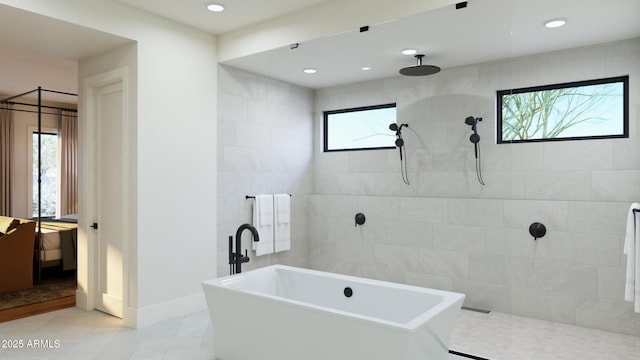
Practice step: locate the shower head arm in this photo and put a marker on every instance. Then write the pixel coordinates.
(419, 69)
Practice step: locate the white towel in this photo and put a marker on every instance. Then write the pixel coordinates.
(263, 222)
(632, 250)
(282, 223)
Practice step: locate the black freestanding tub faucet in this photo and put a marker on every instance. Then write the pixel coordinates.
(236, 259)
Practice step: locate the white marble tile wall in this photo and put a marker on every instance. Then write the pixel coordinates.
(447, 231)
(264, 146)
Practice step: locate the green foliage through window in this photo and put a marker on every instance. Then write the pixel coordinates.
(571, 111)
(49, 171)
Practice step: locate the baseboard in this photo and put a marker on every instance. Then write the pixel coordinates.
(151, 315)
(82, 300)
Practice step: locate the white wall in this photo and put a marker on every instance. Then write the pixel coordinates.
(264, 147)
(447, 231)
(174, 151)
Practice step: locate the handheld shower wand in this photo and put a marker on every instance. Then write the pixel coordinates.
(399, 140)
(475, 139)
(400, 144)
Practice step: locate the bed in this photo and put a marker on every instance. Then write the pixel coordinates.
(58, 241)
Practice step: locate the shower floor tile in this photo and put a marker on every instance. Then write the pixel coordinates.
(498, 336)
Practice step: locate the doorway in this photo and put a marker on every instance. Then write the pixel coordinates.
(108, 191)
(25, 57)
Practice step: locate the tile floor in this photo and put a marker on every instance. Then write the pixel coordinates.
(76, 334)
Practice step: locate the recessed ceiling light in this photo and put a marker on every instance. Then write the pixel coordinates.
(555, 23)
(310, 71)
(365, 68)
(215, 7)
(409, 52)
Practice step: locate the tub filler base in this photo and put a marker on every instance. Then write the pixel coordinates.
(286, 313)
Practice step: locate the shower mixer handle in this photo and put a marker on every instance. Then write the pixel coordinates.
(245, 258)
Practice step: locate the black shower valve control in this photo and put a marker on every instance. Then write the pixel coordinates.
(537, 230)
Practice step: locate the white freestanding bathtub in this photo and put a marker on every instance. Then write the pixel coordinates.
(286, 313)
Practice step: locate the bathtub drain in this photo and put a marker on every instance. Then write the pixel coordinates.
(348, 292)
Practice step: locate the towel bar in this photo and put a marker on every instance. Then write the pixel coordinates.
(253, 196)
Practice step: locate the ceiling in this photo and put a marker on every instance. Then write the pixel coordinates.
(35, 51)
(39, 51)
(486, 30)
(237, 14)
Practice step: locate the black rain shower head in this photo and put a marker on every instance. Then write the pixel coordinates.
(419, 70)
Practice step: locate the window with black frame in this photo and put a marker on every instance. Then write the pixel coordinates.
(592, 109)
(49, 165)
(362, 128)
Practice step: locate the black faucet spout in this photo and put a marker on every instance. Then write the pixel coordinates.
(237, 259)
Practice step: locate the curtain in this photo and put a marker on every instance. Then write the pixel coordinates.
(68, 132)
(6, 159)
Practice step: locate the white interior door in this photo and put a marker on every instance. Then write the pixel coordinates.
(109, 188)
